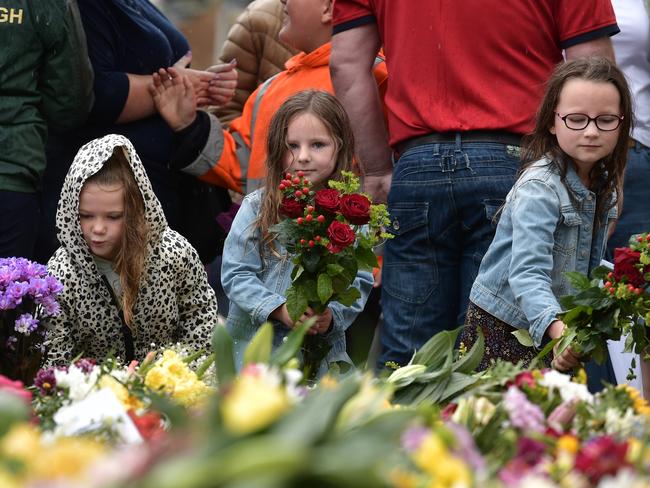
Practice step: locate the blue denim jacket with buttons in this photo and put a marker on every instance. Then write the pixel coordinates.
(545, 230)
(256, 285)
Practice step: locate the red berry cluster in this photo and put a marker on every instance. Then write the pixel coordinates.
(295, 186)
(610, 285)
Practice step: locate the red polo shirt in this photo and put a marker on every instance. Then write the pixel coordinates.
(459, 65)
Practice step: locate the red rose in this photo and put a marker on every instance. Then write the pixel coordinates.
(291, 207)
(341, 236)
(624, 261)
(327, 200)
(356, 208)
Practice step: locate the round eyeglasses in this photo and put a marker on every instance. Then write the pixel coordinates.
(604, 122)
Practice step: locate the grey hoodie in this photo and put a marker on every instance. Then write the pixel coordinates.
(175, 302)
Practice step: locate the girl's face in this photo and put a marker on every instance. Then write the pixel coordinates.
(589, 145)
(101, 214)
(311, 148)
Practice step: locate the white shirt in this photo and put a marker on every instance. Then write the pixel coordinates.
(632, 49)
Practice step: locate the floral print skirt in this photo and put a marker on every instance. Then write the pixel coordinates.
(500, 343)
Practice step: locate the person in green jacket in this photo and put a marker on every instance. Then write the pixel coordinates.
(45, 83)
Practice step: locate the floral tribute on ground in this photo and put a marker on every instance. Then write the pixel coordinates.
(27, 293)
(331, 234)
(501, 428)
(613, 304)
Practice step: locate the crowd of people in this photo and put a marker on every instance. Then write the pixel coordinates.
(504, 155)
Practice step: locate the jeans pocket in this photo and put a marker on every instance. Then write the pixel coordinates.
(410, 272)
(493, 208)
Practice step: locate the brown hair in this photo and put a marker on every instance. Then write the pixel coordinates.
(331, 113)
(131, 256)
(541, 142)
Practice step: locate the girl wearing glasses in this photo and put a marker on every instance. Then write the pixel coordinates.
(557, 215)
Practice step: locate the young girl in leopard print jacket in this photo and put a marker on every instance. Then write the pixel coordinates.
(129, 280)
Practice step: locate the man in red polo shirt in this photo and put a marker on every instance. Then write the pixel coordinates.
(465, 81)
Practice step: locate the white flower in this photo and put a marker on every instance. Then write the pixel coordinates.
(78, 383)
(535, 481)
(569, 390)
(625, 478)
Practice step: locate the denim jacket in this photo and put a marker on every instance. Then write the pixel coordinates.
(256, 287)
(545, 230)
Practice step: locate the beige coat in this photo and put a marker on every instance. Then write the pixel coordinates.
(253, 41)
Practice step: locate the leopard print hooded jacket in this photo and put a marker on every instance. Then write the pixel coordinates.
(175, 302)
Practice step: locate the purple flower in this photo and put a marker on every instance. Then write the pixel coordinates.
(523, 414)
(466, 448)
(16, 291)
(11, 343)
(86, 365)
(54, 286)
(45, 381)
(38, 287)
(7, 274)
(50, 305)
(413, 437)
(26, 324)
(5, 302)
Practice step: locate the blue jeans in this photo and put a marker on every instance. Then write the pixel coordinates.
(635, 217)
(442, 204)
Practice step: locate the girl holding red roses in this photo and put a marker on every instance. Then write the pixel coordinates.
(310, 134)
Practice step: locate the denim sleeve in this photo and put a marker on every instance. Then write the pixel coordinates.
(535, 215)
(344, 316)
(242, 266)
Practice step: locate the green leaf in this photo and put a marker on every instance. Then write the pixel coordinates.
(435, 350)
(523, 336)
(348, 297)
(546, 350)
(334, 269)
(366, 258)
(578, 280)
(291, 345)
(296, 301)
(313, 419)
(324, 287)
(224, 357)
(260, 346)
(470, 361)
(457, 383)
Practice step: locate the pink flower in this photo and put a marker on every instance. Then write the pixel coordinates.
(16, 388)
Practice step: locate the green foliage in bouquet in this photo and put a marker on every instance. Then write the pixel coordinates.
(331, 234)
(437, 372)
(613, 304)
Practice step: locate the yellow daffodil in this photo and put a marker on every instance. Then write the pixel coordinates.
(253, 404)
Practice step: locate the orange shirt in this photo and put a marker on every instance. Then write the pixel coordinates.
(241, 166)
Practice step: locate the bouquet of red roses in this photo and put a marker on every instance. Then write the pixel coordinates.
(612, 305)
(331, 234)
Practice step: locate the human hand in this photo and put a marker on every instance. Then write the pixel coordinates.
(567, 359)
(323, 322)
(377, 186)
(200, 80)
(174, 98)
(222, 89)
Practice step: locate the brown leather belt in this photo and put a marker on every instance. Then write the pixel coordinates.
(499, 137)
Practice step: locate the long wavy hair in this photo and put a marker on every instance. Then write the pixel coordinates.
(130, 259)
(331, 113)
(609, 172)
